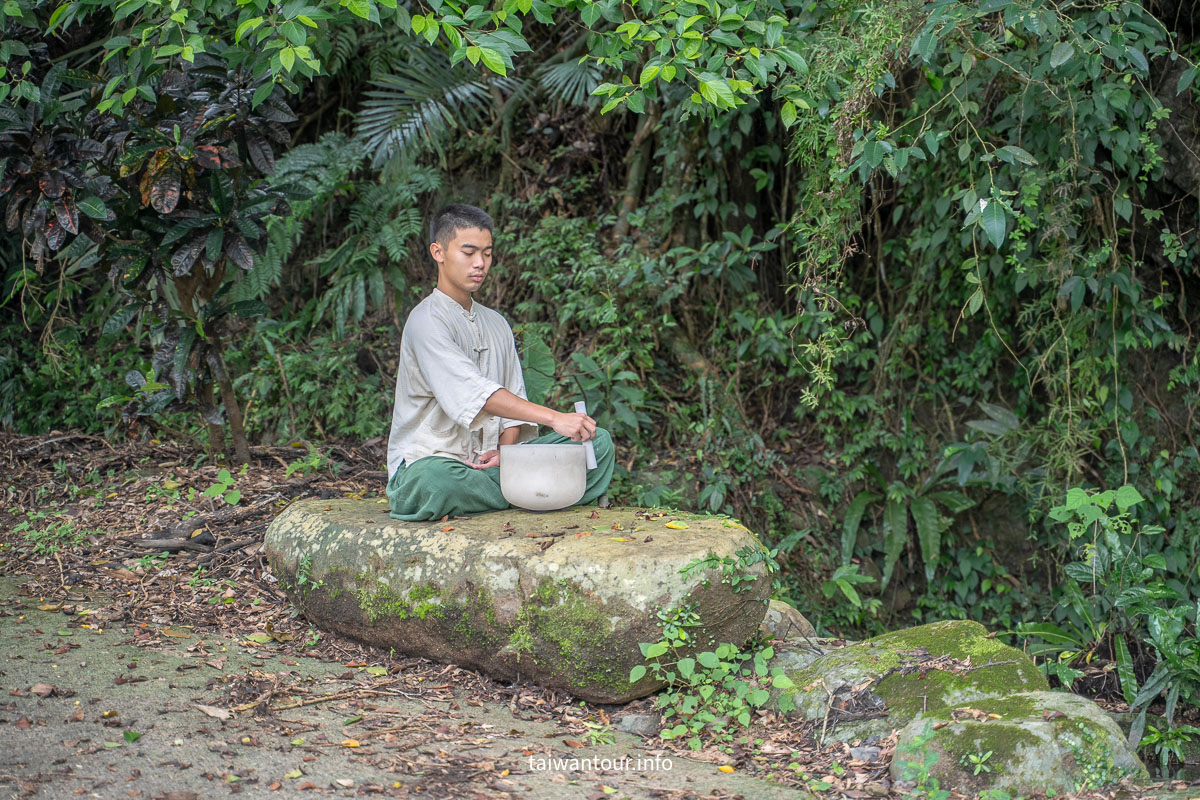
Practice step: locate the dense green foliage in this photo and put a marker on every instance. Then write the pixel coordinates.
(906, 286)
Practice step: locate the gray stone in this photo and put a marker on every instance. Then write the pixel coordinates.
(881, 684)
(785, 622)
(1050, 742)
(865, 753)
(640, 724)
(560, 598)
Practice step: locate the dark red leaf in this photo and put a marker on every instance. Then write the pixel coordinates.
(52, 184)
(68, 215)
(7, 183)
(214, 157)
(88, 148)
(55, 235)
(278, 133)
(164, 193)
(239, 252)
(261, 154)
(35, 219)
(12, 217)
(186, 256)
(277, 111)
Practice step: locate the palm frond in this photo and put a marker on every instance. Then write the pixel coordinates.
(419, 103)
(570, 82)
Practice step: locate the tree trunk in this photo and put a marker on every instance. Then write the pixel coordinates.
(216, 362)
(216, 434)
(640, 153)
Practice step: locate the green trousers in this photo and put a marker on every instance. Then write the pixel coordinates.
(432, 487)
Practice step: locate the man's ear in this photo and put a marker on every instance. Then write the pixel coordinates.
(435, 250)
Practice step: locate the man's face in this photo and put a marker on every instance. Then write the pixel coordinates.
(463, 262)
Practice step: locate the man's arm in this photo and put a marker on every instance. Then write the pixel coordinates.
(576, 427)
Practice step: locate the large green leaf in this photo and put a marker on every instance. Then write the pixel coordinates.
(895, 536)
(994, 222)
(852, 520)
(929, 532)
(539, 367)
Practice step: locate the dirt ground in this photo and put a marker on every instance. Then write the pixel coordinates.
(146, 652)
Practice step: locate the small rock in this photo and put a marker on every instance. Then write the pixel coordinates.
(865, 753)
(784, 622)
(639, 724)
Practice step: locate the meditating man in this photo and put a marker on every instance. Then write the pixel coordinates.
(460, 393)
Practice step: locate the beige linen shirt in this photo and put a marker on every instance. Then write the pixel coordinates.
(451, 361)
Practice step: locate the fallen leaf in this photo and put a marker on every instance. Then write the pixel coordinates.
(259, 638)
(175, 634)
(294, 774)
(351, 743)
(447, 529)
(213, 711)
(345, 783)
(582, 534)
(677, 525)
(725, 768)
(50, 607)
(42, 689)
(1056, 714)
(620, 539)
(572, 743)
(995, 716)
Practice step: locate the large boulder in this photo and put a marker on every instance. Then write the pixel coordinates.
(560, 598)
(879, 685)
(1051, 742)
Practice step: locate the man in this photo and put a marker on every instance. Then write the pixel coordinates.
(460, 393)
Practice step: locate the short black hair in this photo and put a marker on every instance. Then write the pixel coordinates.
(452, 218)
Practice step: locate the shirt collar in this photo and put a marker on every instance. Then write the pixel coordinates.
(446, 299)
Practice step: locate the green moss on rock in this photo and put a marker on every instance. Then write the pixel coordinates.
(1039, 741)
(378, 601)
(566, 630)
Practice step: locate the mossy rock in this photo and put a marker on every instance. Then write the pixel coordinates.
(785, 622)
(1050, 742)
(560, 598)
(882, 684)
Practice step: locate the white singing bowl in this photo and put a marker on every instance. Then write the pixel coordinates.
(543, 477)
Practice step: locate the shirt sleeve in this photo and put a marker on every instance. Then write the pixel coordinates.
(514, 381)
(456, 382)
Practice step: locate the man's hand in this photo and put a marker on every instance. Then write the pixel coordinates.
(576, 427)
(486, 460)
